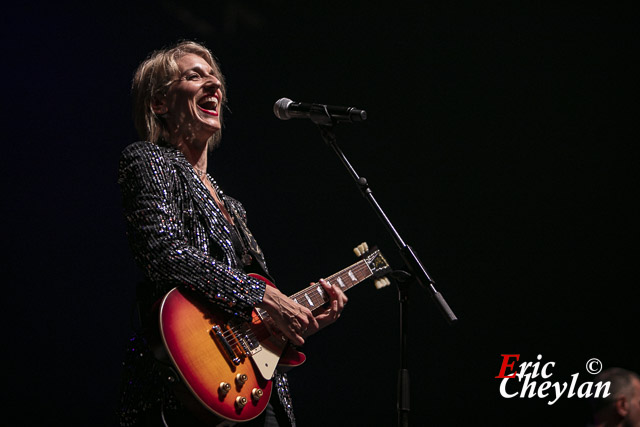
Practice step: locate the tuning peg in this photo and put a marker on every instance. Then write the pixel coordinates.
(381, 282)
(361, 249)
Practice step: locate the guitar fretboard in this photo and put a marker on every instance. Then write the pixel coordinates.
(315, 296)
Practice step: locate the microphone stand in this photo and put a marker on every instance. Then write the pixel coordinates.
(418, 273)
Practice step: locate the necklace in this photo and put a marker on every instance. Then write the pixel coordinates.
(217, 194)
(200, 172)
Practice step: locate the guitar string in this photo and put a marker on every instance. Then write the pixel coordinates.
(358, 267)
(231, 335)
(317, 296)
(343, 274)
(234, 332)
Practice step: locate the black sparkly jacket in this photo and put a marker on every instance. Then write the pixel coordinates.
(178, 234)
(179, 237)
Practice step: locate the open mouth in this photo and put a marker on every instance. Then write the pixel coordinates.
(209, 105)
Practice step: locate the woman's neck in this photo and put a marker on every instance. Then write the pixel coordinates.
(195, 153)
(197, 158)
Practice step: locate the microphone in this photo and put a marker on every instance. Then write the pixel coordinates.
(286, 109)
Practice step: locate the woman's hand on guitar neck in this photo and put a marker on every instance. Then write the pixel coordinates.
(291, 318)
(332, 310)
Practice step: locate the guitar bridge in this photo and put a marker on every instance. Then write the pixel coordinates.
(216, 331)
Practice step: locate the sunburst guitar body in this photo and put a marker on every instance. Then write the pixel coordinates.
(227, 365)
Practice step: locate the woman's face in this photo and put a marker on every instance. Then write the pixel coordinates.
(193, 101)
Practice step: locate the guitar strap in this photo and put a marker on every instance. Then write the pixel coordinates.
(250, 249)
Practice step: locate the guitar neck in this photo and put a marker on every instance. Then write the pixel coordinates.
(315, 296)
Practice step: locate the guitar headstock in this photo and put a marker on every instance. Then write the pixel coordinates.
(376, 263)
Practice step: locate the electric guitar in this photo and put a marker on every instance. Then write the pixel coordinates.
(226, 364)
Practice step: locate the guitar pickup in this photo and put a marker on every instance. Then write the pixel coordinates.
(216, 331)
(249, 343)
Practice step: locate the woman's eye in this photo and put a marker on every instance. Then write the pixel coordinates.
(193, 77)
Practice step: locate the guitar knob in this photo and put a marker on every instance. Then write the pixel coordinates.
(224, 388)
(241, 401)
(256, 394)
(241, 378)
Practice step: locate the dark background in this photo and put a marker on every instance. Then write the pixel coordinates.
(500, 142)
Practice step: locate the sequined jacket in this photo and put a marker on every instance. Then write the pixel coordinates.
(179, 236)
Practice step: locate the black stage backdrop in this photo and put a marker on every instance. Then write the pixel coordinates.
(500, 143)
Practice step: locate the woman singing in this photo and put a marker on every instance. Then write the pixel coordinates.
(184, 231)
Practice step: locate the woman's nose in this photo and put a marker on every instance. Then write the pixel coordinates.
(212, 81)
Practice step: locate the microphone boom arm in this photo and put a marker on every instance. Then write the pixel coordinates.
(410, 258)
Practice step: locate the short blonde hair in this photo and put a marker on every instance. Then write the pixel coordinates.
(151, 81)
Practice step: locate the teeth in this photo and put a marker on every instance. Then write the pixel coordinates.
(212, 99)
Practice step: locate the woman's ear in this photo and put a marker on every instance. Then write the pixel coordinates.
(159, 105)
